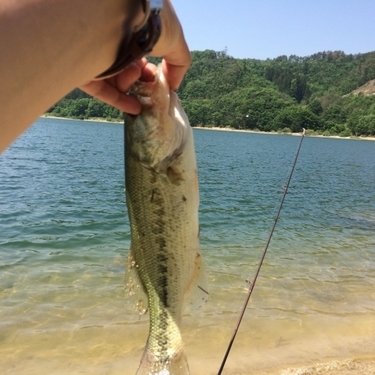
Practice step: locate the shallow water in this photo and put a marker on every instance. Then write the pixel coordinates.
(64, 237)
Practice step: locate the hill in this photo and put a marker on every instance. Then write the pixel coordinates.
(321, 92)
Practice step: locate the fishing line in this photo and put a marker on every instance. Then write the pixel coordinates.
(252, 283)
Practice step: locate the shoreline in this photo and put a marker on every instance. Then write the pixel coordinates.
(276, 133)
(222, 129)
(86, 120)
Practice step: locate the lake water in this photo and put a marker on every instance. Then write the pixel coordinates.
(64, 238)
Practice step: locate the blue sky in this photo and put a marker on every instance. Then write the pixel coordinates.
(269, 28)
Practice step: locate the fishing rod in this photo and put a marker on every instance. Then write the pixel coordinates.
(252, 283)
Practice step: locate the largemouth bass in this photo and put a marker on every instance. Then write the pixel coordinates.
(162, 198)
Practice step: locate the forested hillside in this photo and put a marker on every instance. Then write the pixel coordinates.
(282, 94)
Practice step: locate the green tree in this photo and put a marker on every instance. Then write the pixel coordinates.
(78, 108)
(299, 88)
(365, 125)
(295, 118)
(95, 109)
(336, 114)
(315, 107)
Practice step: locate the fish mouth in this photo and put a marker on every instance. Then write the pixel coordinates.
(155, 93)
(143, 92)
(143, 88)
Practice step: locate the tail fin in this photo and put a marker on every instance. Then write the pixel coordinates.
(175, 365)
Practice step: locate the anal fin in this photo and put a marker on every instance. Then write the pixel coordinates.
(198, 292)
(134, 286)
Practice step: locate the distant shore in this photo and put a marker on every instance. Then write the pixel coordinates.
(276, 133)
(99, 119)
(220, 129)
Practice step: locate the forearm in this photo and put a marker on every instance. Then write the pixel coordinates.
(47, 49)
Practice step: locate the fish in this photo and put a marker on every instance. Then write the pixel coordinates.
(162, 196)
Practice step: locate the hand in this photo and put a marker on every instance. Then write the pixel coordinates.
(176, 61)
(113, 90)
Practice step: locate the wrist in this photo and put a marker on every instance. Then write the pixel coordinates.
(141, 31)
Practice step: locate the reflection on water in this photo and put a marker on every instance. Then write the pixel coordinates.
(65, 235)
